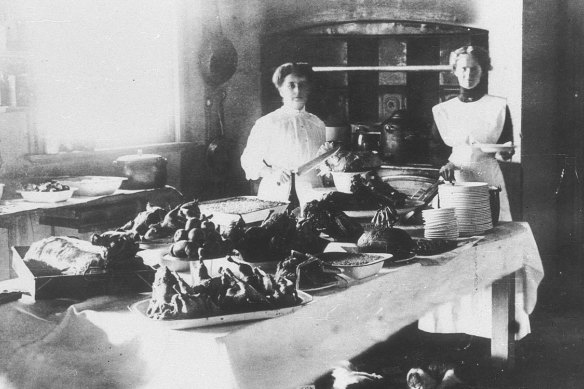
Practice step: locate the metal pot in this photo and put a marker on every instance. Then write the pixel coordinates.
(144, 171)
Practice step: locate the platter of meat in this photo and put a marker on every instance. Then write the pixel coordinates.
(251, 208)
(141, 308)
(245, 294)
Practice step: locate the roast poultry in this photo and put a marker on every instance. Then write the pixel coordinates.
(248, 289)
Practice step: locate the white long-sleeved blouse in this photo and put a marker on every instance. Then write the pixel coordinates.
(285, 138)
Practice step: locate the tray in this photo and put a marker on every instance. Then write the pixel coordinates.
(410, 205)
(79, 286)
(141, 306)
(258, 215)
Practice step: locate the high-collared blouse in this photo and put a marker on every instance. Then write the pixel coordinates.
(284, 138)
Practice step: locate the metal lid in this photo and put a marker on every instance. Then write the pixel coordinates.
(139, 157)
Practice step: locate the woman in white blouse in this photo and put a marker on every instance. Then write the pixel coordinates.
(285, 138)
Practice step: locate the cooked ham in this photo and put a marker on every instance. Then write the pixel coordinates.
(64, 255)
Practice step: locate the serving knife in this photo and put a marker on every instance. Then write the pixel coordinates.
(308, 166)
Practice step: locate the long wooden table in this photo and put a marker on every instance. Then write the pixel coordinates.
(99, 343)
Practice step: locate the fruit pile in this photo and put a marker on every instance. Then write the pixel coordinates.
(49, 186)
(199, 239)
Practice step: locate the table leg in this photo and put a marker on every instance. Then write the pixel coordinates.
(503, 323)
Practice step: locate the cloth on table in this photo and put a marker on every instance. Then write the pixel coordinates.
(471, 314)
(100, 343)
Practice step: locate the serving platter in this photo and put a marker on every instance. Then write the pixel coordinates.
(251, 209)
(410, 205)
(140, 308)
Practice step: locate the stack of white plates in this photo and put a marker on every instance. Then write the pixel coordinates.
(440, 223)
(471, 203)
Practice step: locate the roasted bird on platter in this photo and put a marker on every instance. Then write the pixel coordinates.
(245, 290)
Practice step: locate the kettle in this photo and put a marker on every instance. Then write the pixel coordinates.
(144, 171)
(397, 139)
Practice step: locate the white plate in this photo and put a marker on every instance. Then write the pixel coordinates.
(407, 258)
(494, 148)
(141, 307)
(47, 197)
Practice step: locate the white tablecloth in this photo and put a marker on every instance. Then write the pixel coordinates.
(99, 343)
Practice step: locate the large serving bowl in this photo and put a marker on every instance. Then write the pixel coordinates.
(342, 180)
(47, 197)
(93, 185)
(356, 265)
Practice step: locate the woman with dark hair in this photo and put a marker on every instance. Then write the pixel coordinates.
(285, 138)
(473, 118)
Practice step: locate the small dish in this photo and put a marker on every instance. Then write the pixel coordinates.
(47, 197)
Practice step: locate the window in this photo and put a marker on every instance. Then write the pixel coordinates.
(104, 72)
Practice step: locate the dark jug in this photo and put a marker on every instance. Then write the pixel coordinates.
(494, 199)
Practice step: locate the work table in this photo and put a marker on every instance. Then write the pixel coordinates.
(100, 343)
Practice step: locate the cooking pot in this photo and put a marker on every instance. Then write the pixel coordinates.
(144, 171)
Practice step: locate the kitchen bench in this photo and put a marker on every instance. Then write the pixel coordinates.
(100, 343)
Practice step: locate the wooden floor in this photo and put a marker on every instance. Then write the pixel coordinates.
(552, 356)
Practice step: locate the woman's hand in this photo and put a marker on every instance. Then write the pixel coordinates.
(506, 155)
(447, 171)
(282, 176)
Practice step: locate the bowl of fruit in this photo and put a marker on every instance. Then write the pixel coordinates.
(47, 192)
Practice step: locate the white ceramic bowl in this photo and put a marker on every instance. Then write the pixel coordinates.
(342, 180)
(47, 197)
(356, 271)
(93, 185)
(174, 263)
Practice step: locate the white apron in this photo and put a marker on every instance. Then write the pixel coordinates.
(461, 125)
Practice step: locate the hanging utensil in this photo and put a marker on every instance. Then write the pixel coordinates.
(218, 156)
(217, 55)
